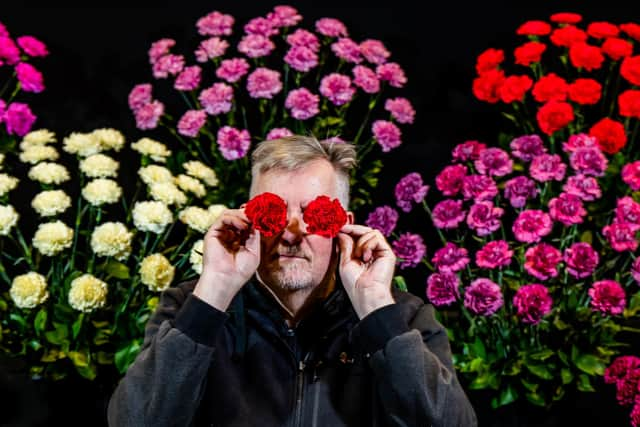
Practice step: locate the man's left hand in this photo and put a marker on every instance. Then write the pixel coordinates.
(366, 267)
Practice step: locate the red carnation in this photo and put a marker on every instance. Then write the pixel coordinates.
(585, 91)
(610, 135)
(268, 213)
(529, 53)
(629, 103)
(487, 86)
(550, 88)
(566, 18)
(632, 29)
(616, 48)
(554, 116)
(601, 30)
(324, 217)
(514, 88)
(534, 28)
(489, 60)
(567, 36)
(630, 69)
(585, 56)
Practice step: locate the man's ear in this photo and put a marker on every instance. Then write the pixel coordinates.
(350, 217)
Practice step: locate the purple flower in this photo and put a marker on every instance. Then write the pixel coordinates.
(450, 258)
(585, 187)
(546, 167)
(484, 218)
(232, 69)
(635, 270)
(233, 143)
(495, 254)
(410, 189)
(347, 50)
(608, 297)
(191, 122)
(581, 260)
(139, 96)
(627, 210)
(468, 150)
(18, 119)
(588, 161)
(520, 189)
(410, 249)
(494, 162)
(541, 261)
(159, 49)
(448, 214)
(386, 134)
(264, 83)
(260, 26)
(32, 46)
(301, 58)
(567, 209)
(449, 181)
(392, 73)
(478, 188)
(189, 78)
(255, 46)
(622, 236)
(631, 175)
(217, 99)
(483, 297)
(168, 64)
(366, 79)
(9, 52)
(302, 103)
(211, 48)
(337, 87)
(215, 24)
(532, 302)
(284, 16)
(278, 133)
(331, 27)
(578, 141)
(442, 288)
(148, 115)
(527, 147)
(400, 109)
(29, 77)
(301, 37)
(532, 225)
(374, 51)
(383, 218)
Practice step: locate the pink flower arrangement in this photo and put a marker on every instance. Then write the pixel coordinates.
(268, 78)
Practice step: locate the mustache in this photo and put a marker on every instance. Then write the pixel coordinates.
(291, 251)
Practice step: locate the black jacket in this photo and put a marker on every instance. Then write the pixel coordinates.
(203, 367)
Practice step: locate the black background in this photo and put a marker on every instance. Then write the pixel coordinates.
(98, 54)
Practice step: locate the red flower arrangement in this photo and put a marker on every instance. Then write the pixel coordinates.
(325, 217)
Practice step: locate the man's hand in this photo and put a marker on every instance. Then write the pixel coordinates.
(366, 267)
(231, 256)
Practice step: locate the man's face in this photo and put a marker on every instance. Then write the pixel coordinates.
(293, 259)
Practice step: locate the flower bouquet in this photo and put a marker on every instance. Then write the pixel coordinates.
(535, 274)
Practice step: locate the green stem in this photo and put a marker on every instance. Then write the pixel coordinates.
(426, 208)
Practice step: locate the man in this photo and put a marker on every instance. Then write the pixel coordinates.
(314, 334)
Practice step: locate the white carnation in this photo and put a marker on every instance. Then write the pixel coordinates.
(151, 216)
(82, 144)
(99, 166)
(29, 290)
(167, 193)
(8, 219)
(102, 191)
(109, 139)
(156, 272)
(191, 185)
(154, 173)
(87, 293)
(49, 203)
(52, 237)
(38, 153)
(7, 183)
(201, 171)
(195, 257)
(215, 211)
(112, 239)
(49, 173)
(197, 218)
(39, 137)
(154, 149)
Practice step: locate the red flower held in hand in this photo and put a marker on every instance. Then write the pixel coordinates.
(268, 213)
(324, 217)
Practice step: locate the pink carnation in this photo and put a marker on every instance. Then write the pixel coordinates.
(302, 103)
(627, 388)
(383, 218)
(18, 119)
(527, 147)
(215, 24)
(532, 303)
(547, 167)
(627, 210)
(449, 181)
(284, 16)
(29, 77)
(9, 52)
(620, 368)
(301, 58)
(301, 37)
(541, 261)
(450, 258)
(494, 162)
(622, 236)
(532, 225)
(495, 254)
(483, 297)
(484, 218)
(410, 189)
(260, 26)
(140, 96)
(392, 73)
(191, 122)
(278, 133)
(631, 175)
(567, 209)
(588, 161)
(233, 143)
(366, 79)
(232, 69)
(520, 189)
(581, 260)
(608, 297)
(32, 46)
(331, 27)
(217, 99)
(255, 46)
(189, 78)
(400, 109)
(159, 49)
(211, 48)
(148, 115)
(264, 83)
(442, 288)
(635, 270)
(409, 249)
(337, 87)
(347, 50)
(168, 64)
(386, 134)
(448, 214)
(374, 51)
(585, 187)
(579, 141)
(478, 187)
(468, 150)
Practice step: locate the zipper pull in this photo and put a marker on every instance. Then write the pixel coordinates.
(301, 366)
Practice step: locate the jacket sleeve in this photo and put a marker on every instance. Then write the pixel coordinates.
(414, 374)
(165, 383)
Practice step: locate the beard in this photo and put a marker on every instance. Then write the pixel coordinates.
(293, 275)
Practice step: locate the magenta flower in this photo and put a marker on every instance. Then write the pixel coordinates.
(410, 249)
(233, 143)
(215, 24)
(448, 214)
(631, 175)
(232, 69)
(635, 270)
(578, 141)
(410, 189)
(301, 58)
(588, 161)
(188, 79)
(532, 225)
(3, 105)
(495, 254)
(581, 260)
(392, 73)
(567, 209)
(608, 297)
(627, 388)
(331, 27)
(400, 109)
(484, 218)
(284, 16)
(386, 134)
(374, 51)
(622, 236)
(191, 122)
(260, 26)
(366, 79)
(347, 50)
(278, 133)
(383, 218)
(547, 167)
(527, 147)
(520, 189)
(32, 46)
(541, 261)
(450, 258)
(532, 302)
(168, 64)
(337, 87)
(148, 115)
(255, 46)
(217, 99)
(468, 150)
(478, 188)
(139, 96)
(627, 210)
(483, 297)
(264, 83)
(302, 103)
(159, 49)
(442, 288)
(449, 181)
(301, 37)
(18, 119)
(620, 368)
(494, 162)
(9, 52)
(585, 187)
(29, 77)
(210, 48)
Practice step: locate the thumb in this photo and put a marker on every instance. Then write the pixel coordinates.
(253, 242)
(346, 247)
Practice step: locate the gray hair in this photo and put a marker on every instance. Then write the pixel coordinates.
(293, 152)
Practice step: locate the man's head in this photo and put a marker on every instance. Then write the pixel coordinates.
(298, 169)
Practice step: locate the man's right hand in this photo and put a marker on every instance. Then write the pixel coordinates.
(231, 255)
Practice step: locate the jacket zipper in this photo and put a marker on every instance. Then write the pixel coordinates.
(300, 380)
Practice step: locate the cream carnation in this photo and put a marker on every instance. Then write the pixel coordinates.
(153, 174)
(167, 193)
(151, 216)
(154, 149)
(52, 237)
(7, 183)
(29, 290)
(49, 203)
(38, 137)
(156, 272)
(109, 139)
(82, 144)
(49, 173)
(99, 166)
(112, 239)
(38, 153)
(215, 211)
(195, 257)
(197, 218)
(101, 191)
(201, 171)
(191, 185)
(87, 293)
(8, 219)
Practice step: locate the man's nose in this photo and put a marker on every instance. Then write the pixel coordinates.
(294, 231)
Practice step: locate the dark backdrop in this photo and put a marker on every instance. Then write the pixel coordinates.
(98, 54)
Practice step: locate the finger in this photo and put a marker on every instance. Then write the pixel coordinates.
(346, 247)
(355, 229)
(253, 242)
(230, 220)
(366, 245)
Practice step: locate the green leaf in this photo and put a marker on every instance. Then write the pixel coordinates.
(80, 359)
(559, 324)
(541, 355)
(57, 336)
(512, 368)
(563, 357)
(584, 383)
(536, 398)
(126, 355)
(507, 396)
(77, 325)
(587, 237)
(541, 371)
(590, 364)
(486, 380)
(117, 269)
(89, 372)
(40, 322)
(566, 375)
(18, 319)
(399, 282)
(479, 349)
(533, 387)
(105, 358)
